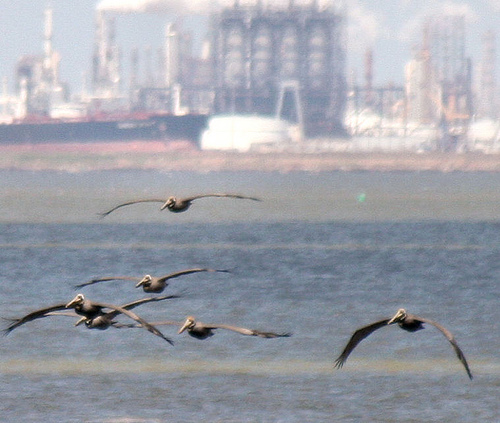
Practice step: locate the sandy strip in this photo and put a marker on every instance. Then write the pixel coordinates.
(183, 156)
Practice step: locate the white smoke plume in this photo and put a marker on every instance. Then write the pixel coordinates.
(186, 6)
(156, 6)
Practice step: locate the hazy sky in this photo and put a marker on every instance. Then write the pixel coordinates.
(390, 27)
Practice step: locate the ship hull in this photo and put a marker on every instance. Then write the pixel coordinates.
(154, 127)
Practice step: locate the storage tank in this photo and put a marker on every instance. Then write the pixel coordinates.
(243, 133)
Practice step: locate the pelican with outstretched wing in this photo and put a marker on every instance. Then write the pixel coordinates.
(79, 304)
(406, 321)
(177, 205)
(151, 284)
(201, 330)
(94, 314)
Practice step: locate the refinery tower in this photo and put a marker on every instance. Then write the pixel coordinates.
(281, 57)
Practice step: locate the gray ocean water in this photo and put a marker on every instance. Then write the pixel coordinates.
(320, 256)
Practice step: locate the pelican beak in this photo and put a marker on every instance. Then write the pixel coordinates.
(396, 317)
(140, 283)
(74, 301)
(82, 320)
(184, 326)
(168, 203)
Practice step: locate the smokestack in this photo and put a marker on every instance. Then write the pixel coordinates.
(369, 77)
(48, 31)
(106, 73)
(171, 55)
(134, 66)
(47, 47)
(487, 87)
(149, 66)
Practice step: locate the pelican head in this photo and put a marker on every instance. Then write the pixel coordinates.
(169, 203)
(188, 324)
(398, 317)
(79, 299)
(145, 281)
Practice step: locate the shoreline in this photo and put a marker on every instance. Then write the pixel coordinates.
(182, 156)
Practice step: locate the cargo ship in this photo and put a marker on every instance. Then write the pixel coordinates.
(104, 128)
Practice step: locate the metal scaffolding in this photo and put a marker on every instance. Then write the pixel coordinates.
(257, 49)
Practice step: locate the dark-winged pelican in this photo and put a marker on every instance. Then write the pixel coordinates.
(94, 314)
(105, 320)
(201, 330)
(406, 321)
(80, 304)
(177, 205)
(150, 283)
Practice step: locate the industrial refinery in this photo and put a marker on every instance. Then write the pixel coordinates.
(277, 69)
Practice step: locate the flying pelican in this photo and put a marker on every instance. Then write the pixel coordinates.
(105, 319)
(80, 304)
(150, 283)
(94, 315)
(201, 330)
(406, 321)
(177, 205)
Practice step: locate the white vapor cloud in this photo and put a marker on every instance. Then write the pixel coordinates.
(160, 6)
(364, 27)
(188, 6)
(411, 31)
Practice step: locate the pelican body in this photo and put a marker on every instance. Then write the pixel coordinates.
(406, 321)
(85, 307)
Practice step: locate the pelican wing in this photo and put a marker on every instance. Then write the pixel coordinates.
(187, 272)
(138, 319)
(161, 323)
(245, 331)
(356, 338)
(111, 278)
(241, 197)
(37, 314)
(451, 339)
(136, 303)
(61, 313)
(128, 203)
